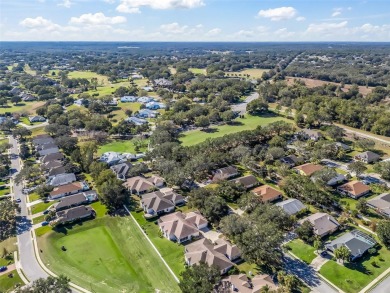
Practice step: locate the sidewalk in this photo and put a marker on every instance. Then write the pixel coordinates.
(376, 280)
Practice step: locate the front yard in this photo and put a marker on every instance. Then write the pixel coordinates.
(8, 284)
(42, 206)
(108, 254)
(302, 250)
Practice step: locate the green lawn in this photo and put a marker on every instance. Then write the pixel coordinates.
(198, 70)
(37, 131)
(4, 191)
(252, 72)
(38, 219)
(89, 75)
(121, 146)
(248, 123)
(172, 252)
(109, 254)
(28, 107)
(302, 250)
(7, 284)
(42, 206)
(99, 208)
(119, 111)
(355, 276)
(33, 197)
(10, 245)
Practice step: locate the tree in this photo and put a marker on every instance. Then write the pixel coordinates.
(365, 144)
(67, 143)
(112, 194)
(383, 231)
(229, 190)
(317, 244)
(228, 116)
(50, 285)
(16, 100)
(336, 133)
(8, 213)
(342, 253)
(257, 106)
(287, 281)
(27, 173)
(323, 176)
(357, 167)
(199, 278)
(305, 231)
(362, 206)
(383, 168)
(21, 132)
(202, 121)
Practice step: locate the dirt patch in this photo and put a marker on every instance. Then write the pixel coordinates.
(312, 83)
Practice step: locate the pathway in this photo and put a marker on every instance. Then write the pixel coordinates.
(10, 268)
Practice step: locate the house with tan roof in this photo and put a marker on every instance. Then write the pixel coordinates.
(323, 224)
(68, 189)
(248, 181)
(181, 227)
(228, 249)
(158, 202)
(242, 284)
(354, 189)
(157, 181)
(203, 251)
(308, 169)
(138, 185)
(267, 193)
(74, 214)
(225, 173)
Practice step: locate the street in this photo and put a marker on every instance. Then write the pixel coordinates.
(241, 107)
(28, 261)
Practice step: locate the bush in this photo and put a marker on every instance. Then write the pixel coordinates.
(372, 251)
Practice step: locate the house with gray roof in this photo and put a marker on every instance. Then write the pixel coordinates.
(76, 200)
(49, 151)
(356, 241)
(158, 202)
(248, 181)
(52, 157)
(120, 170)
(74, 214)
(291, 206)
(62, 179)
(381, 204)
(225, 173)
(323, 224)
(368, 157)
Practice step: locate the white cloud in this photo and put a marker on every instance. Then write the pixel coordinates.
(128, 6)
(173, 28)
(110, 1)
(300, 18)
(326, 27)
(213, 32)
(284, 33)
(38, 22)
(245, 33)
(97, 19)
(280, 13)
(336, 13)
(65, 3)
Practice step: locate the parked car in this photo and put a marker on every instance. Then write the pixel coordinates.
(3, 269)
(45, 212)
(45, 223)
(324, 253)
(18, 200)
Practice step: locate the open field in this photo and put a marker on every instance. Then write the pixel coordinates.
(252, 72)
(198, 70)
(7, 284)
(355, 276)
(172, 70)
(120, 146)
(311, 83)
(302, 250)
(28, 70)
(248, 123)
(107, 255)
(119, 111)
(38, 131)
(102, 79)
(28, 107)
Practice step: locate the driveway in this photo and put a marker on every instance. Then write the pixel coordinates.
(10, 268)
(210, 234)
(241, 107)
(318, 262)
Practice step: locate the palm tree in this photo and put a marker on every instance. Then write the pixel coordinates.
(317, 244)
(342, 253)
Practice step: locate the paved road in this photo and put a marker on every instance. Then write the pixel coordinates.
(386, 141)
(34, 126)
(307, 274)
(383, 287)
(28, 262)
(241, 107)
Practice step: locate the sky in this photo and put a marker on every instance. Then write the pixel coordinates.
(195, 20)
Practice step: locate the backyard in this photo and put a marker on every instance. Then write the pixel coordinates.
(120, 146)
(28, 107)
(121, 258)
(248, 123)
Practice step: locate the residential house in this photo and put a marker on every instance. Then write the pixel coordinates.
(130, 99)
(248, 181)
(242, 284)
(323, 224)
(354, 189)
(155, 105)
(310, 134)
(137, 121)
(145, 100)
(157, 181)
(147, 88)
(52, 157)
(139, 185)
(368, 157)
(291, 206)
(51, 164)
(308, 169)
(55, 171)
(15, 91)
(162, 82)
(62, 179)
(146, 113)
(338, 179)
(27, 97)
(79, 102)
(48, 151)
(42, 140)
(76, 200)
(112, 158)
(74, 214)
(225, 173)
(267, 193)
(68, 189)
(357, 242)
(33, 119)
(181, 227)
(121, 170)
(203, 251)
(156, 203)
(381, 204)
(231, 251)
(343, 146)
(292, 160)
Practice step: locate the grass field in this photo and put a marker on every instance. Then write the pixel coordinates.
(38, 219)
(33, 197)
(172, 253)
(28, 70)
(4, 191)
(38, 131)
(8, 284)
(119, 111)
(40, 207)
(198, 70)
(28, 107)
(107, 255)
(10, 245)
(302, 250)
(252, 72)
(248, 123)
(102, 79)
(120, 146)
(355, 276)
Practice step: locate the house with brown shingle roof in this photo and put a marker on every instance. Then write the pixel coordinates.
(203, 251)
(138, 185)
(323, 224)
(157, 181)
(308, 169)
(242, 284)
(158, 202)
(181, 227)
(248, 181)
(74, 214)
(230, 250)
(354, 189)
(225, 173)
(68, 189)
(267, 193)
(368, 157)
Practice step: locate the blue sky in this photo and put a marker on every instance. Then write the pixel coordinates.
(194, 20)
